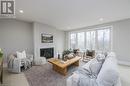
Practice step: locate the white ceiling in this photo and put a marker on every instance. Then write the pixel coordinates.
(72, 14)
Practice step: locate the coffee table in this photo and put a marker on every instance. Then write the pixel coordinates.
(61, 67)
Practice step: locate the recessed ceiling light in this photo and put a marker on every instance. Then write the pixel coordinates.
(21, 11)
(101, 19)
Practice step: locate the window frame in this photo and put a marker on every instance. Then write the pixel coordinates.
(96, 36)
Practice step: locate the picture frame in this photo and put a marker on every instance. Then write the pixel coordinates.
(46, 38)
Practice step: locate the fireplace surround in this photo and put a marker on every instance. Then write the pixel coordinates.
(47, 52)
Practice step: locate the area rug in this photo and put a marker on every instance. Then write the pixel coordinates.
(45, 76)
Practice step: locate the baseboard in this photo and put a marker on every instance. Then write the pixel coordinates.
(127, 63)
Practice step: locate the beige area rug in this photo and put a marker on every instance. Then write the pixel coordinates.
(45, 76)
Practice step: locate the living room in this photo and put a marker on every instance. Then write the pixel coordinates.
(56, 45)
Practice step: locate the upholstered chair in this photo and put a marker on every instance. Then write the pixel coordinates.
(15, 64)
(88, 55)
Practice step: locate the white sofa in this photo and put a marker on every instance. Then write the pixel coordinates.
(107, 76)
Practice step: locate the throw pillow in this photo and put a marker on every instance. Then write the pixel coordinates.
(111, 54)
(105, 53)
(100, 57)
(21, 55)
(92, 68)
(102, 52)
(24, 54)
(95, 67)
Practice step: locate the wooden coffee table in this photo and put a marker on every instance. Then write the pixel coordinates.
(61, 67)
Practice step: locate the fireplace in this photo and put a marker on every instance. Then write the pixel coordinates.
(47, 52)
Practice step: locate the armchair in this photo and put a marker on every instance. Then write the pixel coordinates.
(15, 64)
(88, 55)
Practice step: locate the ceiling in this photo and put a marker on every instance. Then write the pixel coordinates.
(72, 14)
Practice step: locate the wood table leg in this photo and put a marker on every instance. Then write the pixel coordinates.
(62, 71)
(76, 63)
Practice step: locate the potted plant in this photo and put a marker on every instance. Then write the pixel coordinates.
(1, 53)
(65, 53)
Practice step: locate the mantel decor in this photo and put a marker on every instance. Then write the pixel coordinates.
(65, 54)
(46, 38)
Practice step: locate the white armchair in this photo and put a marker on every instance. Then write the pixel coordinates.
(15, 64)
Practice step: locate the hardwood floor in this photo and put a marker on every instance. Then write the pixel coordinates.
(11, 79)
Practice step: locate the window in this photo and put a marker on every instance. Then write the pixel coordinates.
(73, 41)
(90, 40)
(103, 39)
(94, 39)
(80, 40)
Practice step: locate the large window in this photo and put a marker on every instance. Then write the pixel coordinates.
(90, 40)
(81, 40)
(73, 41)
(95, 39)
(103, 39)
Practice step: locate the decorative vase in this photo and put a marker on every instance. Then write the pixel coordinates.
(58, 56)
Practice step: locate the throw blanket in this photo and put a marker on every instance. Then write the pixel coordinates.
(15, 63)
(83, 77)
(10, 61)
(26, 63)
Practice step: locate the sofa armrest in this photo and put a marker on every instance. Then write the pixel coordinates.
(118, 82)
(16, 65)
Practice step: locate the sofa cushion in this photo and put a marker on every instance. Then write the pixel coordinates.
(111, 54)
(108, 74)
(105, 53)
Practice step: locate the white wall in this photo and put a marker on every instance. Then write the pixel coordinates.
(19, 35)
(58, 38)
(15, 36)
(121, 37)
